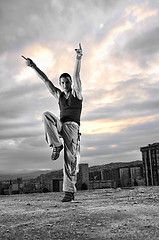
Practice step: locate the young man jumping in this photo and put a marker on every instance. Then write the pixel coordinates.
(67, 127)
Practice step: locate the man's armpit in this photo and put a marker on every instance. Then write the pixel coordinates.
(77, 93)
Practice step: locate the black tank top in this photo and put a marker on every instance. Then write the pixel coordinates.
(70, 109)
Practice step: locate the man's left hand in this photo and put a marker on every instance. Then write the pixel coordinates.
(79, 52)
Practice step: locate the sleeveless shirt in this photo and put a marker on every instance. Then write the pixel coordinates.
(70, 109)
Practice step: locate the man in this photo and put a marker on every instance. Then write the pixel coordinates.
(70, 104)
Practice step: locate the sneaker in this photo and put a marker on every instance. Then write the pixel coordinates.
(69, 196)
(56, 152)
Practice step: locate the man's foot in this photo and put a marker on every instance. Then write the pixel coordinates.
(56, 152)
(69, 196)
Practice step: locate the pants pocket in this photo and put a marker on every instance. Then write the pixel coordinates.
(74, 146)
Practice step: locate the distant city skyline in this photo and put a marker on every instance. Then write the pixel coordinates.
(119, 74)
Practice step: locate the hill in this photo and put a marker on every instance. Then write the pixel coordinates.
(59, 173)
(115, 165)
(24, 175)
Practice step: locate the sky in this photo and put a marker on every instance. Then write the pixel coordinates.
(119, 74)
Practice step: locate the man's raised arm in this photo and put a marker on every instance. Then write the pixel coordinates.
(53, 90)
(76, 75)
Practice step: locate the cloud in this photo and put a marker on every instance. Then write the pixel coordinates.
(100, 144)
(142, 43)
(119, 76)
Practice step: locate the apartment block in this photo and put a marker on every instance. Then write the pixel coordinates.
(150, 158)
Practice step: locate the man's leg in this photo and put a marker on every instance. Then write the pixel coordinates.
(53, 126)
(70, 133)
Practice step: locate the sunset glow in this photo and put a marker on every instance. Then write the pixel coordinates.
(111, 126)
(119, 75)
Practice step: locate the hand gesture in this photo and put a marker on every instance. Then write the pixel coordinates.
(29, 62)
(79, 52)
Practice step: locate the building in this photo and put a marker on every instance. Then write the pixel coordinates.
(131, 176)
(125, 177)
(56, 185)
(96, 177)
(0, 188)
(111, 175)
(83, 177)
(121, 175)
(150, 158)
(82, 180)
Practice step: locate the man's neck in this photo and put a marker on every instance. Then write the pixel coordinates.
(67, 93)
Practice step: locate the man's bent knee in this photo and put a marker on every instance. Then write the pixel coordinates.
(47, 113)
(48, 116)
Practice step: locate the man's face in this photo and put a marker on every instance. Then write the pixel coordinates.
(65, 84)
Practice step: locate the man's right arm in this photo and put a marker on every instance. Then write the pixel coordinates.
(53, 90)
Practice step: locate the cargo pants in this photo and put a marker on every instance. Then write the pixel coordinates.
(69, 132)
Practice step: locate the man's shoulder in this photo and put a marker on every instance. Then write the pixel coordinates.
(77, 94)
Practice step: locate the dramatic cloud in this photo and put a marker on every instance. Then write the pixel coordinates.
(119, 76)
